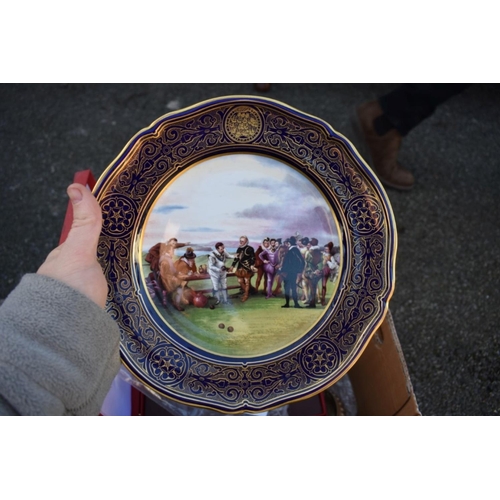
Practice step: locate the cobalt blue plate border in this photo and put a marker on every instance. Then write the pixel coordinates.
(164, 363)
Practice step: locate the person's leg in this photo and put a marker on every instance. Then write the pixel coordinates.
(269, 283)
(215, 287)
(286, 285)
(246, 277)
(176, 298)
(260, 274)
(294, 295)
(324, 282)
(241, 282)
(411, 103)
(278, 288)
(223, 285)
(312, 299)
(384, 122)
(269, 275)
(247, 290)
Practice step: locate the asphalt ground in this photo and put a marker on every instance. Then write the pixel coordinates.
(446, 302)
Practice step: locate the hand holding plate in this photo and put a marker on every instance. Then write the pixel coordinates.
(74, 262)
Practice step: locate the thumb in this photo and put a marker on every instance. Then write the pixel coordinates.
(87, 220)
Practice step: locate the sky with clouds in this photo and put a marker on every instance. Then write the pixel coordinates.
(224, 197)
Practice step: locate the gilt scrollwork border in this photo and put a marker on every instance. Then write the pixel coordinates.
(261, 126)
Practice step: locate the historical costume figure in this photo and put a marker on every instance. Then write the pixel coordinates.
(330, 270)
(303, 245)
(168, 272)
(244, 266)
(259, 264)
(186, 266)
(270, 259)
(282, 249)
(293, 265)
(218, 272)
(153, 258)
(313, 270)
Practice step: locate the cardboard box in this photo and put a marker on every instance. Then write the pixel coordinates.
(380, 378)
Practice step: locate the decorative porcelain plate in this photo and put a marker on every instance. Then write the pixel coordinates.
(249, 251)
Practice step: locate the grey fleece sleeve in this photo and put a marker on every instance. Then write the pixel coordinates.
(59, 351)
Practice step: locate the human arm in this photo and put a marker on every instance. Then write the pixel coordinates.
(74, 262)
(59, 350)
(236, 260)
(250, 255)
(332, 264)
(264, 256)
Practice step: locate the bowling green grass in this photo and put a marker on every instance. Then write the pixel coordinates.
(259, 325)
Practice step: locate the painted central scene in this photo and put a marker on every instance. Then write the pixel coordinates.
(240, 255)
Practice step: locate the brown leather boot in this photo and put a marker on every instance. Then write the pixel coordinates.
(383, 149)
(323, 296)
(262, 87)
(277, 289)
(246, 290)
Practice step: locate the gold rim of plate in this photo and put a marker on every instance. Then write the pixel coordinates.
(154, 350)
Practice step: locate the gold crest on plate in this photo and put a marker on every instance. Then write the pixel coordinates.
(243, 124)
